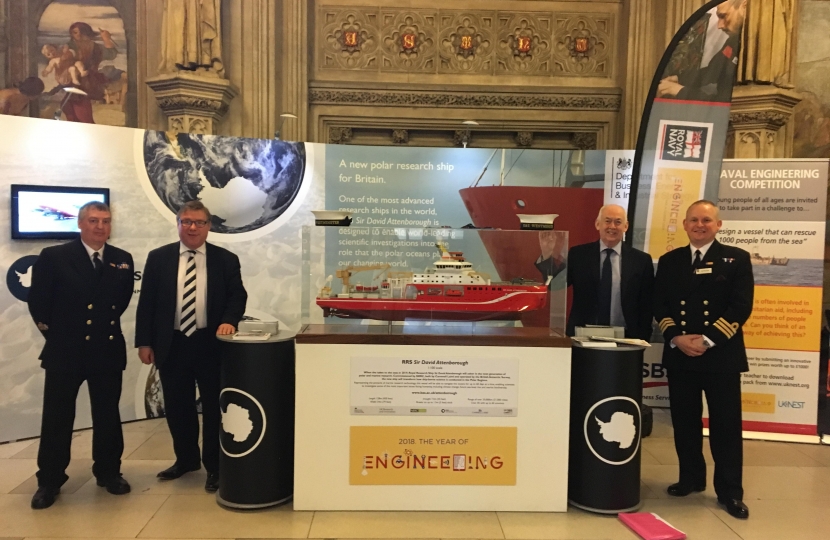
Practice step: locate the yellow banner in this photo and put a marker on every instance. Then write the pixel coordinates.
(784, 318)
(674, 191)
(420, 455)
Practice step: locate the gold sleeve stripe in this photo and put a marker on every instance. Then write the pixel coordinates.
(734, 327)
(724, 327)
(665, 323)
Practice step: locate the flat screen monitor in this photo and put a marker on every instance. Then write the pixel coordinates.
(50, 212)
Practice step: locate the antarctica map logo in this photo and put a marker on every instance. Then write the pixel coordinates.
(243, 422)
(612, 429)
(19, 277)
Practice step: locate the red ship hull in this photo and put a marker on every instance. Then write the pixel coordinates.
(497, 206)
(491, 302)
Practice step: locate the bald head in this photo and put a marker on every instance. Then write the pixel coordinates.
(611, 224)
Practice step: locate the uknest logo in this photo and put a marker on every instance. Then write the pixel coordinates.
(19, 277)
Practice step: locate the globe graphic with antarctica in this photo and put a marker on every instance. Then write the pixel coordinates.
(246, 183)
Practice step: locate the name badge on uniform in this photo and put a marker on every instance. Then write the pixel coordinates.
(703, 270)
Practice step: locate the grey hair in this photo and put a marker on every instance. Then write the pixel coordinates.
(625, 214)
(92, 205)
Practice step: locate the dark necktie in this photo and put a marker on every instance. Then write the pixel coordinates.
(696, 264)
(604, 300)
(99, 266)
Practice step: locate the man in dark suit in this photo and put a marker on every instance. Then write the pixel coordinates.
(703, 296)
(191, 292)
(612, 283)
(79, 291)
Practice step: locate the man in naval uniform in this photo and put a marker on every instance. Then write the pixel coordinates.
(79, 291)
(703, 296)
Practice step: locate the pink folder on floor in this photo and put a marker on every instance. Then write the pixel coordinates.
(651, 526)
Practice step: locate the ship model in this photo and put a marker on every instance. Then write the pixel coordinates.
(497, 206)
(451, 290)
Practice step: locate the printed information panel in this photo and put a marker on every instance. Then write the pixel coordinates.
(775, 210)
(411, 386)
(432, 455)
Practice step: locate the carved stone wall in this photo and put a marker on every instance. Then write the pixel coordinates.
(552, 40)
(534, 74)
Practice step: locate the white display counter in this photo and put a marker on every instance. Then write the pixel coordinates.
(508, 452)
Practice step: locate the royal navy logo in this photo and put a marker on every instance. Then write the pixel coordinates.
(680, 143)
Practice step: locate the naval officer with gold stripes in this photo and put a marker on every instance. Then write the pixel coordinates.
(702, 297)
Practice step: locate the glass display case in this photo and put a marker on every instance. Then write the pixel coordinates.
(414, 280)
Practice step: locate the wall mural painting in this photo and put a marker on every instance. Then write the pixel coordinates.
(82, 45)
(812, 115)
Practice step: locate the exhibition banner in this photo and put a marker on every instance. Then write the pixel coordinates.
(684, 125)
(261, 193)
(432, 455)
(775, 210)
(418, 386)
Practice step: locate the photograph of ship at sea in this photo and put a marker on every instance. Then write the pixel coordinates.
(796, 272)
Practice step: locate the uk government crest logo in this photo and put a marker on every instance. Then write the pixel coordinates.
(612, 429)
(684, 143)
(243, 422)
(19, 277)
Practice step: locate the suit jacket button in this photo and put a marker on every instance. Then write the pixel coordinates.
(705, 323)
(706, 313)
(684, 332)
(682, 323)
(89, 322)
(113, 307)
(87, 338)
(682, 302)
(112, 323)
(110, 338)
(89, 306)
(706, 302)
(682, 312)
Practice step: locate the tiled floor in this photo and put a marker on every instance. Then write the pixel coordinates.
(787, 491)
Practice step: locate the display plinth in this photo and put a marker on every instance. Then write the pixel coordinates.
(422, 457)
(257, 403)
(605, 426)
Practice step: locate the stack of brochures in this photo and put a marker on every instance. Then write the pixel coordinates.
(651, 526)
(252, 336)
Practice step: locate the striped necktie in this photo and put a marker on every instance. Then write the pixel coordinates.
(188, 321)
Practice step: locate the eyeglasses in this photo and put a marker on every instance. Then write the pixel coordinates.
(186, 223)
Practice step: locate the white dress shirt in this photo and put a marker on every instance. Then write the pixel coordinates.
(91, 253)
(617, 318)
(702, 250)
(201, 285)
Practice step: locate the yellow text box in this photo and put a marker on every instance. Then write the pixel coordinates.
(758, 403)
(673, 191)
(785, 318)
(441, 455)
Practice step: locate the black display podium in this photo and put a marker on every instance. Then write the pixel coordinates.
(605, 428)
(256, 467)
